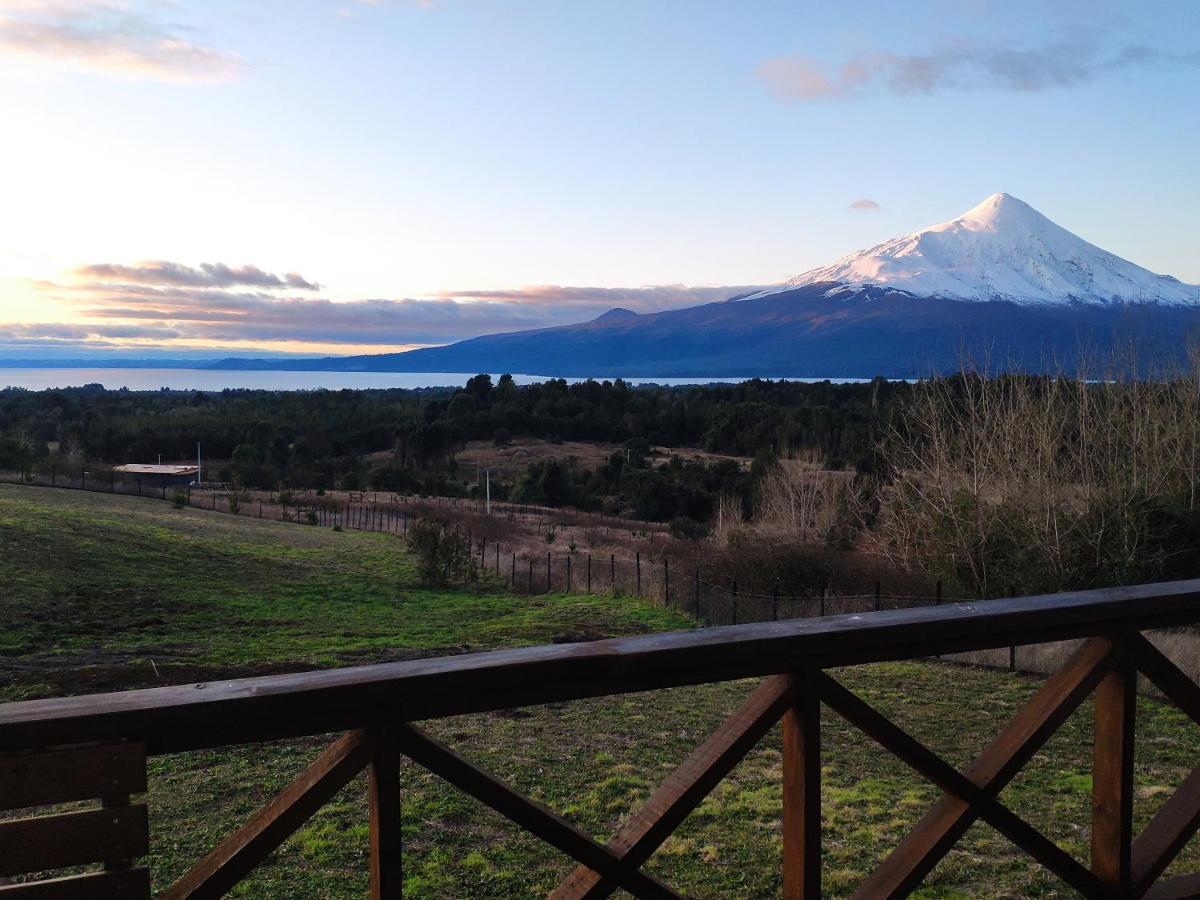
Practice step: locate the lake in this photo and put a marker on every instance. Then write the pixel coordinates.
(217, 380)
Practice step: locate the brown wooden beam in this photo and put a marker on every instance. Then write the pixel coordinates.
(529, 814)
(683, 790)
(131, 884)
(941, 828)
(1167, 833)
(1112, 777)
(60, 776)
(1183, 887)
(802, 791)
(238, 854)
(72, 839)
(928, 764)
(387, 881)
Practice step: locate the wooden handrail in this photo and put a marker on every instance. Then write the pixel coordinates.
(378, 705)
(196, 716)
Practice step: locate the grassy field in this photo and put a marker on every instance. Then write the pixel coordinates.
(111, 592)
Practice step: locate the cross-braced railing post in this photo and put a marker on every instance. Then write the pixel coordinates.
(802, 791)
(1112, 777)
(384, 794)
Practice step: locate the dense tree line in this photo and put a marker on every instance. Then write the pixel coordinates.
(408, 439)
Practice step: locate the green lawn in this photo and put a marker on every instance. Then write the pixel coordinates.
(105, 586)
(108, 592)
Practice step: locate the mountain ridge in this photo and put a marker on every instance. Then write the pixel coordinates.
(1000, 282)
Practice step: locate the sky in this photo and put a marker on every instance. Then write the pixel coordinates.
(266, 176)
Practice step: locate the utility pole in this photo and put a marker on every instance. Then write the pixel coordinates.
(488, 476)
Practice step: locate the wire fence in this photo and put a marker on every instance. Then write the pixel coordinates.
(704, 596)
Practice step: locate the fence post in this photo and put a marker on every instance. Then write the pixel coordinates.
(735, 601)
(666, 581)
(497, 558)
(547, 571)
(1112, 778)
(877, 592)
(612, 573)
(699, 617)
(383, 792)
(1012, 650)
(775, 601)
(638, 563)
(513, 573)
(82, 480)
(822, 601)
(531, 574)
(589, 574)
(938, 600)
(568, 573)
(802, 792)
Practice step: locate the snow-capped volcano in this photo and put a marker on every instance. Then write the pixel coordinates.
(1002, 249)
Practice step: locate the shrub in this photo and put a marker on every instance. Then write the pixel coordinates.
(311, 517)
(686, 529)
(179, 499)
(441, 554)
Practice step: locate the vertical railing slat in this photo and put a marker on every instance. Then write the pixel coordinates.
(384, 799)
(1112, 777)
(802, 792)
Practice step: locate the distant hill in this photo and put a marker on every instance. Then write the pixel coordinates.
(1001, 283)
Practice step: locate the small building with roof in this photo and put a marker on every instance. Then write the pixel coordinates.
(160, 476)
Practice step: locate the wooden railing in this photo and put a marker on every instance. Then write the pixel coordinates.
(89, 742)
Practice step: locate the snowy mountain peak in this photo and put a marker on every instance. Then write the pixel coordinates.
(1001, 249)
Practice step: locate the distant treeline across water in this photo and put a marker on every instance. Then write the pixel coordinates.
(184, 379)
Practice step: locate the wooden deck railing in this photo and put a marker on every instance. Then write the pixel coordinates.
(94, 747)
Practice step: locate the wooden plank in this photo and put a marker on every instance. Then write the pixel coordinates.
(1112, 777)
(529, 814)
(387, 881)
(238, 854)
(683, 790)
(802, 792)
(61, 776)
(132, 884)
(904, 869)
(928, 764)
(172, 719)
(73, 839)
(1183, 887)
(1167, 833)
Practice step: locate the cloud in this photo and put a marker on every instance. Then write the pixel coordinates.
(163, 273)
(961, 64)
(597, 299)
(219, 304)
(865, 204)
(111, 38)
